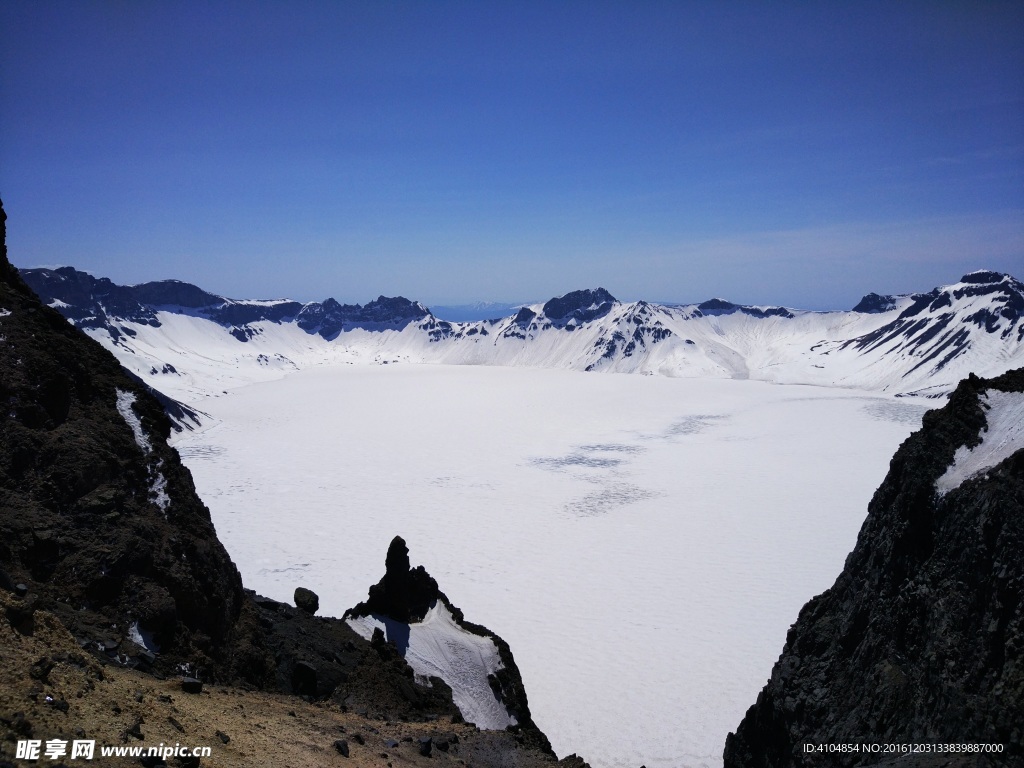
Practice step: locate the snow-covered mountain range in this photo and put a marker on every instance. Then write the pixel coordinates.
(189, 343)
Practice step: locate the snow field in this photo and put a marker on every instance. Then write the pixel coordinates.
(438, 647)
(642, 543)
(1003, 436)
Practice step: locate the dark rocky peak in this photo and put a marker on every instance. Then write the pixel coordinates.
(723, 307)
(404, 593)
(241, 313)
(582, 306)
(173, 293)
(983, 276)
(91, 302)
(717, 307)
(874, 303)
(87, 301)
(397, 309)
(919, 639)
(524, 316)
(329, 318)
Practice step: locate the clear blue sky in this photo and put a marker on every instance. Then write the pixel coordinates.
(795, 153)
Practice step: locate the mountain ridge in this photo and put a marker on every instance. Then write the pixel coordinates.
(917, 344)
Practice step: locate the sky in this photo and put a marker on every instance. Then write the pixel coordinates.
(790, 153)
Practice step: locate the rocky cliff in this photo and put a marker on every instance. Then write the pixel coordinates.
(920, 638)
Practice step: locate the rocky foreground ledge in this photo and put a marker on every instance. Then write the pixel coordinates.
(920, 639)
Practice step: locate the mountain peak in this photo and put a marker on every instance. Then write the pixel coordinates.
(404, 593)
(583, 305)
(984, 276)
(873, 303)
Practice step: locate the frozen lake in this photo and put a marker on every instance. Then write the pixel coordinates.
(643, 543)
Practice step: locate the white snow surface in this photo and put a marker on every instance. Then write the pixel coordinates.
(643, 543)
(142, 638)
(158, 489)
(439, 647)
(158, 483)
(125, 401)
(1002, 437)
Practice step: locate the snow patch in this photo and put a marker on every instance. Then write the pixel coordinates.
(158, 489)
(125, 401)
(4, 312)
(1000, 440)
(158, 483)
(142, 638)
(439, 647)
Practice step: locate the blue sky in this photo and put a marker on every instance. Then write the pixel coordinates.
(794, 153)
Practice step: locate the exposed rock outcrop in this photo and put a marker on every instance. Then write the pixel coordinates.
(920, 638)
(404, 593)
(403, 599)
(581, 306)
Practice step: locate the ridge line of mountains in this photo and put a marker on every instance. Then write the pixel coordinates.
(917, 344)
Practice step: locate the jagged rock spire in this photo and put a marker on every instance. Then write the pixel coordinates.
(405, 593)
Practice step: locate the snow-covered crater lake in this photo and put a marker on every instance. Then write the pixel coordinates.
(643, 543)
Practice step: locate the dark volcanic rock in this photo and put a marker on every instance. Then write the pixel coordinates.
(583, 306)
(307, 600)
(873, 303)
(404, 594)
(984, 276)
(330, 318)
(90, 302)
(723, 307)
(920, 638)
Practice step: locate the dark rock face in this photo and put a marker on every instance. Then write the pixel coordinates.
(723, 307)
(405, 593)
(582, 306)
(91, 302)
(920, 639)
(873, 303)
(307, 600)
(330, 318)
(982, 276)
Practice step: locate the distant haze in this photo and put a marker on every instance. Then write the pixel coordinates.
(796, 154)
